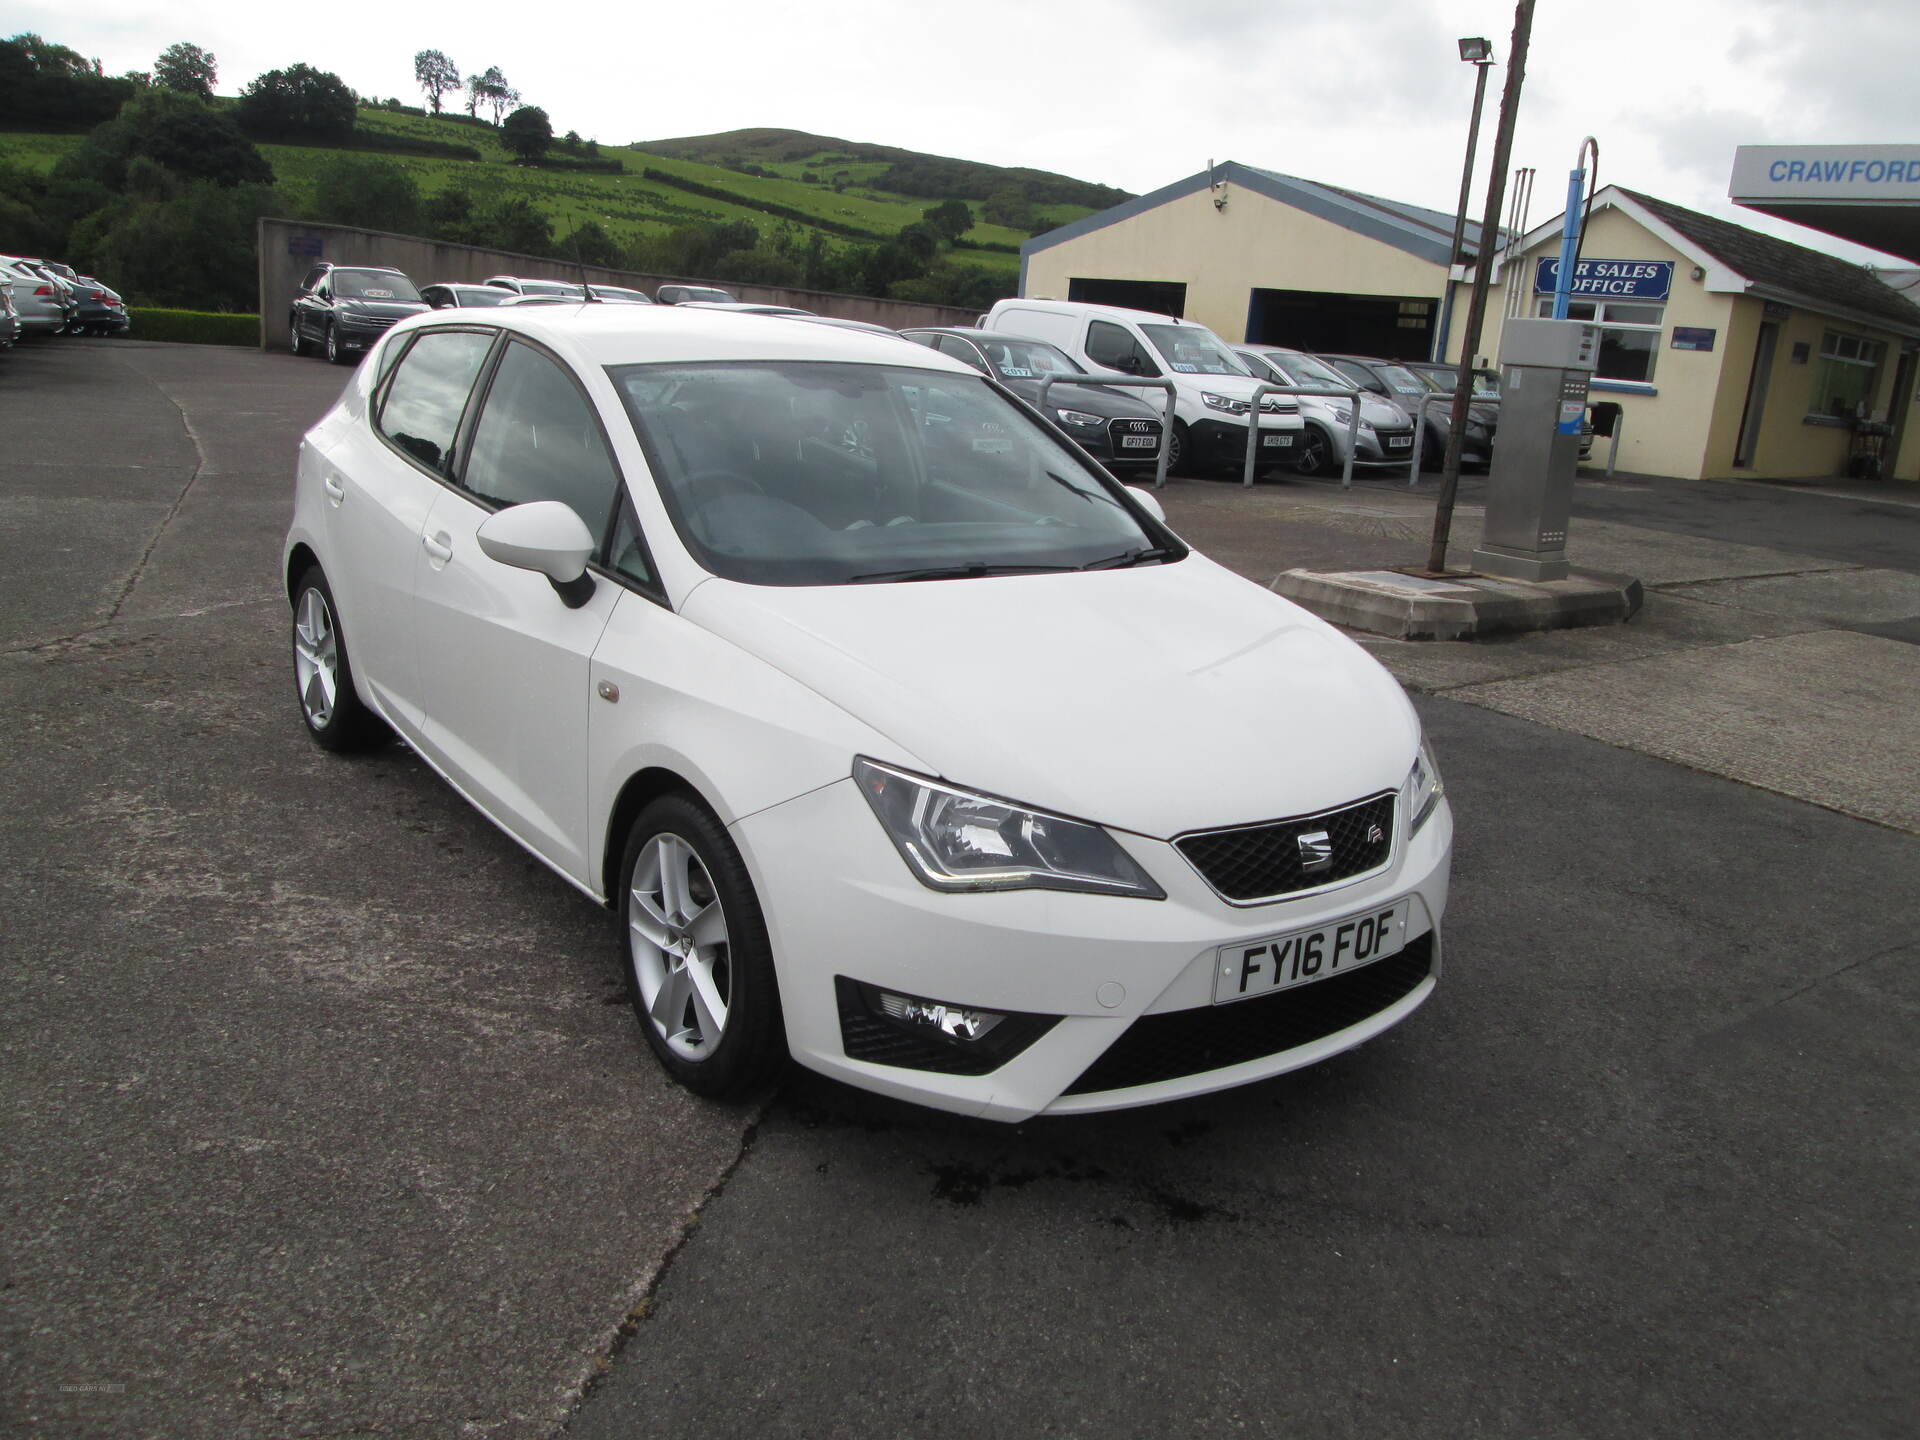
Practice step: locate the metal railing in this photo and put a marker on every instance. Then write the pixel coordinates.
(1047, 382)
(1262, 390)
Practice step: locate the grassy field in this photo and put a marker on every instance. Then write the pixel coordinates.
(626, 205)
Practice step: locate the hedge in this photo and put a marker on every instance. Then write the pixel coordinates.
(768, 207)
(193, 327)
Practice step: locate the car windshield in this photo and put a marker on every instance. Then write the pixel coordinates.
(483, 295)
(719, 296)
(615, 292)
(1192, 350)
(1305, 370)
(1486, 383)
(1399, 379)
(373, 285)
(1025, 359)
(813, 473)
(547, 287)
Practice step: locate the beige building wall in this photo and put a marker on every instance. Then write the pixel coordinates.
(1221, 255)
(1690, 426)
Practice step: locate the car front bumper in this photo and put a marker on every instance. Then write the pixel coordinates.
(841, 904)
(1221, 442)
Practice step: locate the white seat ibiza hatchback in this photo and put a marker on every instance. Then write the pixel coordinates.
(903, 740)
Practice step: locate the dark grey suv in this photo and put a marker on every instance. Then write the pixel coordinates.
(342, 309)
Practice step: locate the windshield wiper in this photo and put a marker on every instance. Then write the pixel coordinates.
(956, 572)
(1132, 557)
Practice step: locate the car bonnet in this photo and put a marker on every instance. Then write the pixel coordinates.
(1156, 699)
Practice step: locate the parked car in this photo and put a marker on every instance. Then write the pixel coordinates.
(342, 309)
(101, 310)
(1392, 380)
(453, 295)
(66, 292)
(681, 294)
(522, 286)
(42, 301)
(1486, 401)
(744, 307)
(1213, 389)
(823, 663)
(1383, 439)
(1121, 430)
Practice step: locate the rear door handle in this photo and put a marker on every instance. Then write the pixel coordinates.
(335, 490)
(439, 547)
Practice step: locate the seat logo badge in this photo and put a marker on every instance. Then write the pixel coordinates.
(1316, 851)
(1375, 835)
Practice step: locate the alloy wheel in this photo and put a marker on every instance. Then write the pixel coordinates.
(316, 658)
(333, 345)
(677, 940)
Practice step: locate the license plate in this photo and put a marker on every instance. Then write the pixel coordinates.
(1279, 962)
(1275, 442)
(1399, 442)
(1139, 442)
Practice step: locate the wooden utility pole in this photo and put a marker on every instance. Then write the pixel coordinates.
(1482, 270)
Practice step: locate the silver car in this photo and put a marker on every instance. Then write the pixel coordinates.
(42, 300)
(1383, 439)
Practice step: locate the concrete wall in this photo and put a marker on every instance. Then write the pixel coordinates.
(1687, 421)
(430, 261)
(1223, 255)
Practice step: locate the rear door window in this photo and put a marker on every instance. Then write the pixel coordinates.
(428, 393)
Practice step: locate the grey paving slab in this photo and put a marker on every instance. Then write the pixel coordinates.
(1835, 597)
(1668, 622)
(1826, 716)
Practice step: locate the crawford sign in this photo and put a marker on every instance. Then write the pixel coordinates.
(1609, 279)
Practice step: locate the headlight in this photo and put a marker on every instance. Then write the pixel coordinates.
(1079, 417)
(1222, 402)
(1343, 416)
(1424, 788)
(955, 840)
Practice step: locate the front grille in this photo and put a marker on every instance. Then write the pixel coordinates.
(1193, 1042)
(1117, 430)
(1258, 862)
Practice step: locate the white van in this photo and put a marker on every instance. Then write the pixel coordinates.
(1213, 388)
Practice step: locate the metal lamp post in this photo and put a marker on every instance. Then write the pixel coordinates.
(1477, 51)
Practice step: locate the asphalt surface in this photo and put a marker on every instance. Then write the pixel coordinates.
(326, 1116)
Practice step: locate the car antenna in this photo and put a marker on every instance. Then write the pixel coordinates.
(586, 290)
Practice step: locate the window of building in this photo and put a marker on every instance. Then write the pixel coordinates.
(1848, 375)
(1629, 335)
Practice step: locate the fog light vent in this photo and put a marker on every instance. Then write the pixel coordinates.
(884, 1027)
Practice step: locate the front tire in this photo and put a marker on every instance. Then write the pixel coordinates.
(1316, 453)
(1178, 448)
(335, 353)
(698, 962)
(322, 673)
(296, 343)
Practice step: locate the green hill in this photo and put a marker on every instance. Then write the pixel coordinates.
(774, 206)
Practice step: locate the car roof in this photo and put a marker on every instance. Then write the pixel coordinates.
(1105, 312)
(596, 335)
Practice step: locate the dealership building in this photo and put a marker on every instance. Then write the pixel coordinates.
(1728, 352)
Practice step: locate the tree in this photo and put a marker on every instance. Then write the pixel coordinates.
(951, 218)
(450, 216)
(435, 74)
(185, 67)
(180, 132)
(591, 245)
(177, 242)
(527, 133)
(1009, 206)
(376, 194)
(490, 88)
(299, 102)
(50, 86)
(515, 225)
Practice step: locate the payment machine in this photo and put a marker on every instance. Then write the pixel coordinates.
(1545, 366)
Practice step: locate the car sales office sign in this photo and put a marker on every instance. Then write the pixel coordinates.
(1609, 279)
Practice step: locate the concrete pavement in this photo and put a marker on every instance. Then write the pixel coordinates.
(326, 1116)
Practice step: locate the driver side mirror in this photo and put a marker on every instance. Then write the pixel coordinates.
(547, 537)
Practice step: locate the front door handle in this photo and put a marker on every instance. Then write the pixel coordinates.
(335, 490)
(439, 547)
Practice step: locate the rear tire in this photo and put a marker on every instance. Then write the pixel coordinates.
(322, 673)
(695, 948)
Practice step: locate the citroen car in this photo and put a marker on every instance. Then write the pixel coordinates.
(342, 309)
(823, 662)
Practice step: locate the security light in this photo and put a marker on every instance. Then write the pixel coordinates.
(1477, 49)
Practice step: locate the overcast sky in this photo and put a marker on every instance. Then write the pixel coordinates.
(1136, 93)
